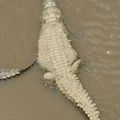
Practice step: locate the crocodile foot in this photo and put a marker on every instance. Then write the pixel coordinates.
(49, 79)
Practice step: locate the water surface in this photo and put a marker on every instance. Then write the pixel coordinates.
(94, 28)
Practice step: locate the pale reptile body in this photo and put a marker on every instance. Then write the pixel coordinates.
(8, 73)
(58, 57)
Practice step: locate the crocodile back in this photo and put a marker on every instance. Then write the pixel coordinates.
(53, 42)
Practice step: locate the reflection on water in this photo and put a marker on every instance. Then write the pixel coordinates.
(94, 26)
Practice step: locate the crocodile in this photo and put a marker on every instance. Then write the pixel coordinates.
(9, 73)
(60, 60)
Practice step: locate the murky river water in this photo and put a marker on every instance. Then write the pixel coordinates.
(94, 27)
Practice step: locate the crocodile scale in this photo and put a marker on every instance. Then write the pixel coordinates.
(7, 73)
(13, 72)
(57, 56)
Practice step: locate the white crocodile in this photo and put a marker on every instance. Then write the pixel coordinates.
(57, 56)
(8, 73)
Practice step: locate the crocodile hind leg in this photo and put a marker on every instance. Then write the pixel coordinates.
(71, 55)
(75, 66)
(49, 79)
(73, 59)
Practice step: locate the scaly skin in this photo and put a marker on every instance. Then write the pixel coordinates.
(8, 73)
(58, 57)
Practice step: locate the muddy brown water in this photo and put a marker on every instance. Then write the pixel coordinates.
(94, 27)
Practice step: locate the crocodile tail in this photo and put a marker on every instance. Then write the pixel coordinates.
(72, 88)
(8, 73)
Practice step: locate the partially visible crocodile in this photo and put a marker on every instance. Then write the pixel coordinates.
(58, 57)
(8, 73)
